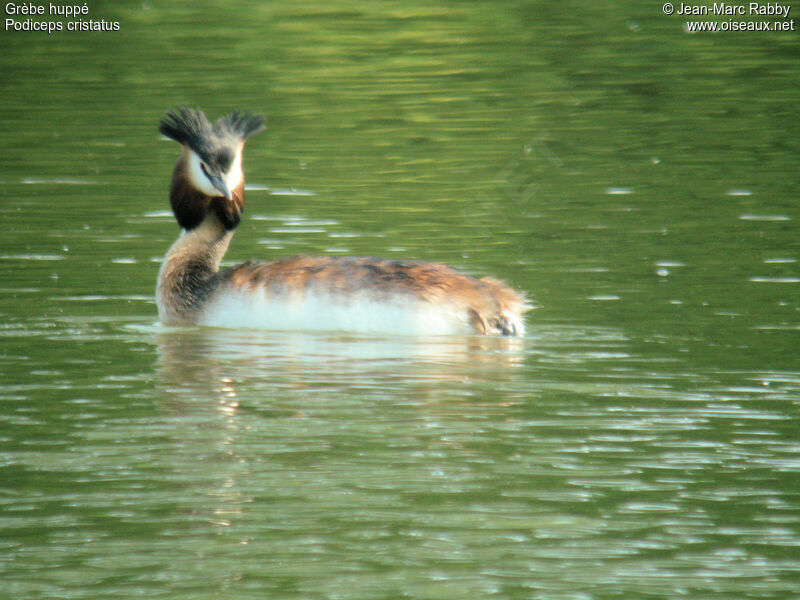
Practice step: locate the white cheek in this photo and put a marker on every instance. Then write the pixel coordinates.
(198, 178)
(234, 175)
(232, 178)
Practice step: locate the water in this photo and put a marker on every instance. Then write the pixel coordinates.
(639, 183)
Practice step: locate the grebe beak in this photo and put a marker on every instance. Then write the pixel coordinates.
(219, 184)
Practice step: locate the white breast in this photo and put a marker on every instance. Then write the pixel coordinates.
(322, 312)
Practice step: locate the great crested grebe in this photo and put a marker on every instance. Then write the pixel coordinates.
(300, 292)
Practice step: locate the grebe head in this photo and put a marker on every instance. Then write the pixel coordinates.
(209, 174)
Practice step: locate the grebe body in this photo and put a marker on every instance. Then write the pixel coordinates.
(305, 293)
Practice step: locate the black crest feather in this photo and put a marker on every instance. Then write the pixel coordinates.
(186, 126)
(191, 127)
(241, 124)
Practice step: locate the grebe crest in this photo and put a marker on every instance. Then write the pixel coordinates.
(301, 292)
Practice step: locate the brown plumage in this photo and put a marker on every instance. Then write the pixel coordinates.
(488, 304)
(353, 293)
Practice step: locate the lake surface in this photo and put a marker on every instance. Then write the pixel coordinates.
(639, 183)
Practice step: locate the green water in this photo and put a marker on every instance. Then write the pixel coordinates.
(638, 182)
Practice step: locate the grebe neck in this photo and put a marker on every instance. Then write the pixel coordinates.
(188, 273)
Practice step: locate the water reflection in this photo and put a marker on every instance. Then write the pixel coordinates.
(211, 362)
(578, 457)
(442, 468)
